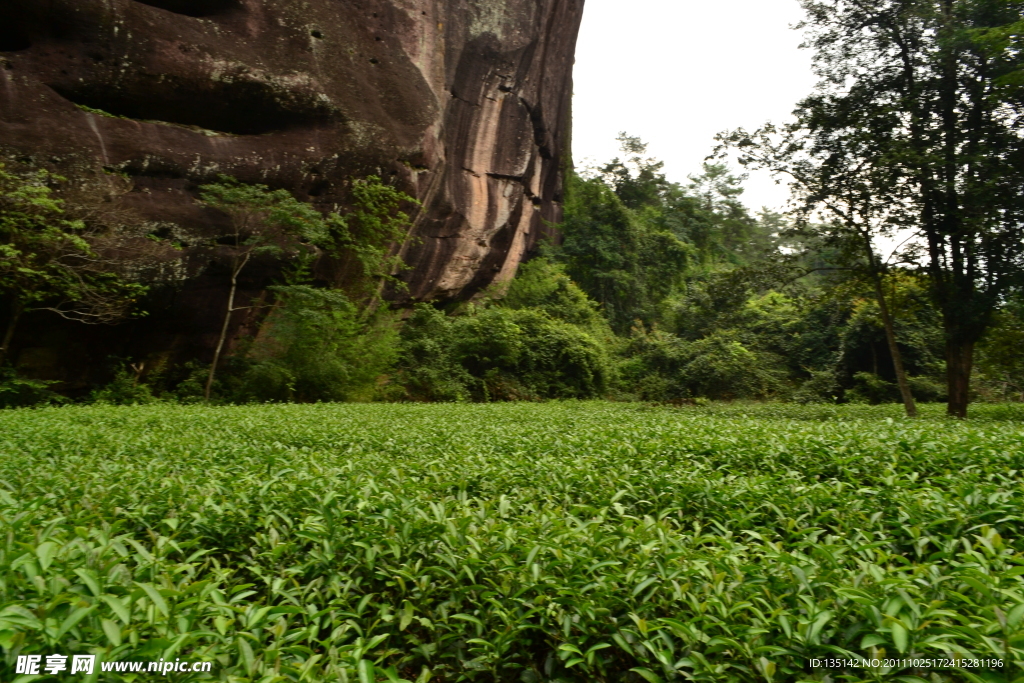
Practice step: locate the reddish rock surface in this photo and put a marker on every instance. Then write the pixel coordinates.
(462, 103)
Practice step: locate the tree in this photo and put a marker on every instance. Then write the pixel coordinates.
(620, 257)
(637, 181)
(261, 220)
(309, 321)
(732, 233)
(617, 245)
(915, 128)
(1001, 361)
(851, 244)
(49, 260)
(314, 347)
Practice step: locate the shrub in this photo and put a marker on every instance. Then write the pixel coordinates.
(927, 389)
(316, 348)
(189, 380)
(428, 367)
(1000, 363)
(124, 389)
(720, 366)
(870, 388)
(500, 354)
(664, 367)
(557, 359)
(18, 392)
(821, 387)
(578, 542)
(543, 284)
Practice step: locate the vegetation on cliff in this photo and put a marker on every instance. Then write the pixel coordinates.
(50, 256)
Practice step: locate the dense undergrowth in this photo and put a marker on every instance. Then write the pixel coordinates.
(513, 542)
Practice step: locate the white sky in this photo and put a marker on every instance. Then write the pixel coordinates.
(676, 72)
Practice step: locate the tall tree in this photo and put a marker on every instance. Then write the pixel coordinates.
(261, 220)
(637, 179)
(915, 129)
(619, 256)
(731, 234)
(362, 241)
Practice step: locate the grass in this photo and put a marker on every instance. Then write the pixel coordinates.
(513, 542)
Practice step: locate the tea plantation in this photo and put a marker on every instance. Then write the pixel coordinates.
(514, 542)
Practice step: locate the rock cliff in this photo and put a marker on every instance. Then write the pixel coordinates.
(462, 103)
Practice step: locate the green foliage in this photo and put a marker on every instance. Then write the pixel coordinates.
(314, 347)
(617, 255)
(317, 333)
(46, 259)
(428, 369)
(370, 231)
(914, 126)
(870, 388)
(100, 112)
(690, 261)
(264, 220)
(188, 380)
(822, 332)
(733, 298)
(498, 353)
(927, 389)
(124, 389)
(637, 181)
(18, 392)
(821, 387)
(1001, 355)
(917, 322)
(664, 367)
(500, 543)
(725, 230)
(542, 284)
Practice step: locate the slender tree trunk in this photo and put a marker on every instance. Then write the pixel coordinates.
(959, 362)
(236, 269)
(894, 350)
(16, 310)
(890, 329)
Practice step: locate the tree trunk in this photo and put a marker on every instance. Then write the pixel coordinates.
(236, 269)
(890, 330)
(894, 351)
(959, 362)
(16, 310)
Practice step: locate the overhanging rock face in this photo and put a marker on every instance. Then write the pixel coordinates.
(462, 103)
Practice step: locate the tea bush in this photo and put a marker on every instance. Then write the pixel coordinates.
(513, 542)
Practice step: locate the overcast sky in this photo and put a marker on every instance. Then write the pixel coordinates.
(675, 72)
